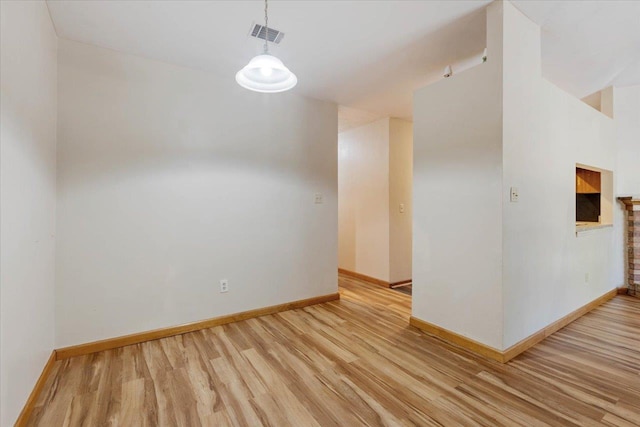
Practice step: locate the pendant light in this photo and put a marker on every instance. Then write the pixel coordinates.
(265, 72)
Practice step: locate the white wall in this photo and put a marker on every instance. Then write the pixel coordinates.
(627, 118)
(457, 208)
(400, 192)
(484, 267)
(27, 199)
(546, 132)
(364, 199)
(171, 179)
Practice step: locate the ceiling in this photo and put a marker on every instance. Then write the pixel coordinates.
(367, 55)
(588, 45)
(349, 117)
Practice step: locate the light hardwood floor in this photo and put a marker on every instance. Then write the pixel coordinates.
(353, 362)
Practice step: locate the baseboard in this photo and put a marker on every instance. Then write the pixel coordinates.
(23, 418)
(457, 339)
(535, 338)
(623, 291)
(111, 343)
(364, 277)
(504, 356)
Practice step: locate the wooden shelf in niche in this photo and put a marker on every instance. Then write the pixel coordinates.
(587, 181)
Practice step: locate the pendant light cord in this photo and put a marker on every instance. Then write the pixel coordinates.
(266, 28)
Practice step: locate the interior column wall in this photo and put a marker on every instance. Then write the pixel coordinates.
(548, 270)
(457, 204)
(485, 267)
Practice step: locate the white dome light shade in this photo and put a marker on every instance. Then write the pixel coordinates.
(266, 73)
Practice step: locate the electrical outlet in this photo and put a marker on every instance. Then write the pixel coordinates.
(514, 194)
(586, 277)
(224, 285)
(401, 207)
(318, 198)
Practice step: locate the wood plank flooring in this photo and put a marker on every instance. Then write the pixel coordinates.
(349, 363)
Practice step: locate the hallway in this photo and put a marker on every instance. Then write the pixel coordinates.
(353, 362)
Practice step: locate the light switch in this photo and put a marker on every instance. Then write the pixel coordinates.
(514, 194)
(401, 207)
(318, 198)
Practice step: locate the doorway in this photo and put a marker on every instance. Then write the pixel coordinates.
(375, 160)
